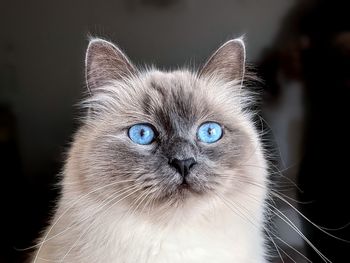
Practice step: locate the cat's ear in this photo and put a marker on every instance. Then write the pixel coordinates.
(228, 62)
(104, 62)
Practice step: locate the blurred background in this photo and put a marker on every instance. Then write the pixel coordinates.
(300, 48)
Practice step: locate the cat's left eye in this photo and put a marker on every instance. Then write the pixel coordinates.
(142, 133)
(209, 132)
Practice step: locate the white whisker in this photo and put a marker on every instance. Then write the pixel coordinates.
(87, 229)
(70, 207)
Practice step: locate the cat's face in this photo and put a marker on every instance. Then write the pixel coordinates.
(165, 137)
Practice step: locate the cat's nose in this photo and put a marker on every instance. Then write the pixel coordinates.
(182, 166)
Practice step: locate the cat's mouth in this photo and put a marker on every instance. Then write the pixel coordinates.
(184, 190)
(180, 187)
(181, 191)
(184, 185)
(188, 187)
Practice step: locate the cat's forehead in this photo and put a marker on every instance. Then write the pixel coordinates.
(174, 97)
(171, 82)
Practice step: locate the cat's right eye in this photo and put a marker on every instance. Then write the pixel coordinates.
(142, 133)
(209, 132)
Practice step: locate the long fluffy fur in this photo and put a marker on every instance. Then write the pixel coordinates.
(113, 209)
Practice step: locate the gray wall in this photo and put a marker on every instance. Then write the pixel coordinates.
(42, 47)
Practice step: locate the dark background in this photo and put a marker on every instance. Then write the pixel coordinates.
(300, 48)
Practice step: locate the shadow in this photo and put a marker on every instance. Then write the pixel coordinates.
(308, 69)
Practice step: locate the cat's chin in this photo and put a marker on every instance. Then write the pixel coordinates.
(186, 190)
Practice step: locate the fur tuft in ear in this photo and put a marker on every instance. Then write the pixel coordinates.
(105, 62)
(228, 61)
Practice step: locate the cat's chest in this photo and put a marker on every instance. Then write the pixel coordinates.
(195, 244)
(226, 240)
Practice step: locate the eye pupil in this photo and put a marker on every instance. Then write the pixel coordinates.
(142, 132)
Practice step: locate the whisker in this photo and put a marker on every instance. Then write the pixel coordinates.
(63, 231)
(70, 207)
(308, 220)
(226, 202)
(268, 231)
(84, 232)
(136, 203)
(236, 178)
(285, 219)
(278, 248)
(280, 239)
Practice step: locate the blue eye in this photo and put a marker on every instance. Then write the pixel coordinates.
(209, 132)
(142, 134)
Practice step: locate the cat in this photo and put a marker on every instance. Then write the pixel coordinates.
(164, 167)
